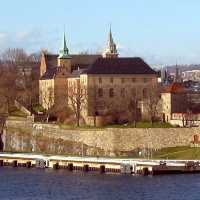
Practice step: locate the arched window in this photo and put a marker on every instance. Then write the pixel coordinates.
(111, 92)
(100, 80)
(100, 92)
(123, 92)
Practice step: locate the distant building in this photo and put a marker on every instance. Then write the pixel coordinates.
(193, 75)
(180, 105)
(164, 76)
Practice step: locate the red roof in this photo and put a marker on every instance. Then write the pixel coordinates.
(175, 88)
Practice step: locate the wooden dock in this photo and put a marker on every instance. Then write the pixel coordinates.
(100, 164)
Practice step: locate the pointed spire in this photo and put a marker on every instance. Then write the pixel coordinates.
(110, 39)
(64, 51)
(111, 49)
(177, 73)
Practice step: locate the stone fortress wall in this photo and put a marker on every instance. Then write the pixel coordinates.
(27, 136)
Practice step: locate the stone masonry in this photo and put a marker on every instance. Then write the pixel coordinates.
(26, 136)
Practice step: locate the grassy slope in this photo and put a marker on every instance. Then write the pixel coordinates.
(139, 125)
(180, 153)
(142, 125)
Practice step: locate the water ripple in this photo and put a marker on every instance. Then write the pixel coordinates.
(34, 184)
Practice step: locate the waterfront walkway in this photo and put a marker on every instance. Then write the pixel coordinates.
(117, 165)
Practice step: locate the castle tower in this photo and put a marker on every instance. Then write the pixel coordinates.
(111, 49)
(64, 59)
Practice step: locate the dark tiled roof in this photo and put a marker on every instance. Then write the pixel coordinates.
(119, 66)
(79, 60)
(82, 60)
(49, 74)
(76, 73)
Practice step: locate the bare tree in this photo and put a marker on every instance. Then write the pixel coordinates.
(152, 103)
(8, 89)
(95, 101)
(118, 109)
(34, 57)
(133, 109)
(18, 56)
(14, 56)
(29, 90)
(47, 98)
(8, 93)
(77, 99)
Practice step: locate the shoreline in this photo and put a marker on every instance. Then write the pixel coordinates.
(103, 165)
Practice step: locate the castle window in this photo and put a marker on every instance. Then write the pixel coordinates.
(100, 80)
(122, 80)
(100, 92)
(111, 92)
(123, 92)
(111, 80)
(133, 80)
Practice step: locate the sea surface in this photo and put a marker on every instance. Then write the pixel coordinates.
(48, 184)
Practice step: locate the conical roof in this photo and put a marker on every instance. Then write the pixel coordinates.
(111, 48)
(64, 51)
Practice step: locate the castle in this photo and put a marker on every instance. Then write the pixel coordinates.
(96, 86)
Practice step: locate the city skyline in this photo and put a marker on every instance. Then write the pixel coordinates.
(160, 32)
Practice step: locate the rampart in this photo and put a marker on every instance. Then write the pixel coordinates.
(27, 136)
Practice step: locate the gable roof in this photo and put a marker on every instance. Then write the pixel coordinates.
(119, 66)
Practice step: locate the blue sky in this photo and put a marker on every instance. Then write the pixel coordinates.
(160, 31)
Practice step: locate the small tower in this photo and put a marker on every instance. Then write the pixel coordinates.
(177, 75)
(64, 59)
(111, 49)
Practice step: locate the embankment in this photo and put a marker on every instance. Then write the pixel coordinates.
(27, 136)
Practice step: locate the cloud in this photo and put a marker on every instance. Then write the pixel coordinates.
(31, 41)
(36, 39)
(161, 58)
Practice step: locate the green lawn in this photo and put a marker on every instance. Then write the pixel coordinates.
(85, 127)
(18, 113)
(142, 125)
(139, 125)
(179, 153)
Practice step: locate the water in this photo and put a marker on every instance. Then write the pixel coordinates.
(36, 184)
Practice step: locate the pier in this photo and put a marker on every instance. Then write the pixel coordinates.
(100, 164)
